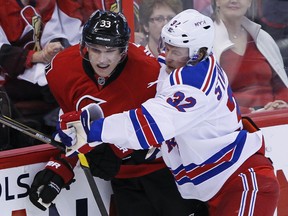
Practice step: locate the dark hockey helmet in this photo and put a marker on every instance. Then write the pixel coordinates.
(106, 28)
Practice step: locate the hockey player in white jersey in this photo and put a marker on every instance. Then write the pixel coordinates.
(194, 120)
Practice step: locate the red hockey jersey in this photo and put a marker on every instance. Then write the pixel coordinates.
(75, 86)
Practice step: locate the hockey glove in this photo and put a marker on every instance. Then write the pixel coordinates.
(103, 162)
(48, 183)
(73, 134)
(87, 119)
(65, 131)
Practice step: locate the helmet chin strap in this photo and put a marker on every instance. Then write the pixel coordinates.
(123, 54)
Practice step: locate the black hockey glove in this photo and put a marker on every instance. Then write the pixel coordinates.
(103, 162)
(48, 183)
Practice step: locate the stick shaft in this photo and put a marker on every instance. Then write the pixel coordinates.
(119, 4)
(30, 132)
(95, 191)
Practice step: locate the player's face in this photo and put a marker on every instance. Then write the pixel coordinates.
(176, 57)
(104, 59)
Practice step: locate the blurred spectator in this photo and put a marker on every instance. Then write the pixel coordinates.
(273, 16)
(250, 57)
(30, 36)
(71, 19)
(74, 13)
(203, 6)
(153, 15)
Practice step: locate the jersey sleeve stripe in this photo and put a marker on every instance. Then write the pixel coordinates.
(148, 133)
(212, 82)
(137, 129)
(211, 74)
(161, 58)
(175, 77)
(216, 164)
(145, 127)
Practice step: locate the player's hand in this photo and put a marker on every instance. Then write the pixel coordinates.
(47, 53)
(66, 130)
(103, 162)
(73, 133)
(50, 50)
(88, 115)
(277, 104)
(48, 182)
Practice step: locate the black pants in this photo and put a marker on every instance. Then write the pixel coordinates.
(155, 194)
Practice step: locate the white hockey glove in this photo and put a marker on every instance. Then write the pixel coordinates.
(72, 133)
(65, 131)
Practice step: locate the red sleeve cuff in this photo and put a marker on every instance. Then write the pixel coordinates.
(61, 168)
(29, 63)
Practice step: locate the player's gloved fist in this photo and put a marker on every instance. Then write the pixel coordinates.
(103, 162)
(91, 112)
(48, 183)
(65, 129)
(88, 115)
(71, 133)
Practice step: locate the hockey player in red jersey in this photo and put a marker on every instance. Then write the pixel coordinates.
(114, 74)
(213, 153)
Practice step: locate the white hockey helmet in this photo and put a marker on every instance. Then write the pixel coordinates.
(190, 29)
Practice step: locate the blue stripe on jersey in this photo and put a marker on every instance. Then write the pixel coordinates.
(204, 173)
(195, 75)
(138, 131)
(171, 78)
(161, 59)
(155, 129)
(138, 127)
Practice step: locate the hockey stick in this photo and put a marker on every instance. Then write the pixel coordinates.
(46, 139)
(30, 132)
(85, 166)
(119, 5)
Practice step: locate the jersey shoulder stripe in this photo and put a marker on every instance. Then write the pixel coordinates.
(146, 129)
(202, 76)
(176, 77)
(210, 76)
(161, 58)
(225, 158)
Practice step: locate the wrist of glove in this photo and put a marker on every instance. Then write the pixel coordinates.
(48, 183)
(103, 162)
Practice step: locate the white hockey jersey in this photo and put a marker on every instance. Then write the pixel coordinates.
(195, 120)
